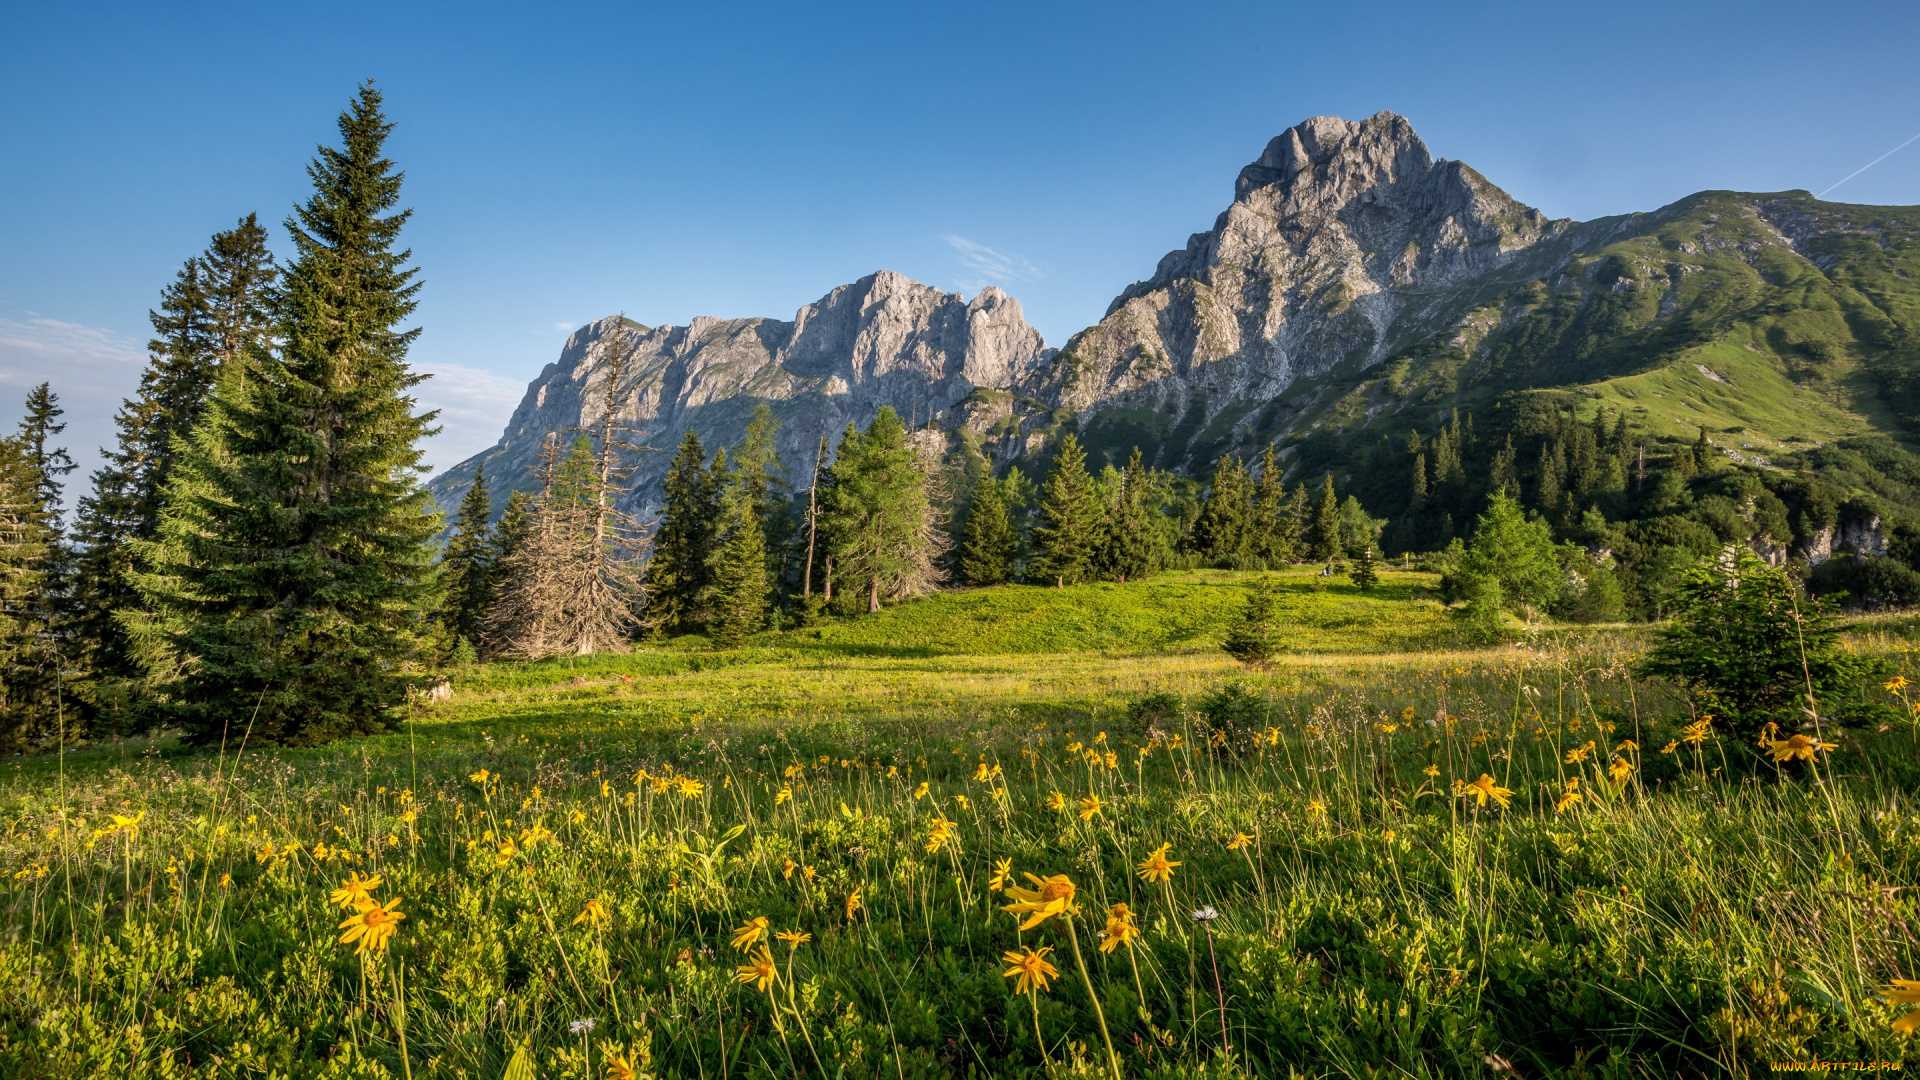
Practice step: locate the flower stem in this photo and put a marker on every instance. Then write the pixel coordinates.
(1073, 935)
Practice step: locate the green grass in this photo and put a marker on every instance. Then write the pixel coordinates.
(1701, 919)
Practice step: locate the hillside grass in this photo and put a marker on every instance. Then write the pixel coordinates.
(1702, 916)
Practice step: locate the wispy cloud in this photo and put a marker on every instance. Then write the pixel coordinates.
(990, 267)
(474, 408)
(91, 370)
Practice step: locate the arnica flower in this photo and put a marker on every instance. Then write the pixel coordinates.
(354, 889)
(1620, 770)
(1696, 733)
(1119, 929)
(794, 938)
(920, 792)
(758, 970)
(618, 1067)
(1905, 992)
(939, 831)
(1802, 747)
(1156, 866)
(1431, 770)
(1030, 968)
(1240, 840)
(1090, 806)
(1050, 896)
(808, 872)
(1579, 753)
(787, 868)
(1895, 684)
(690, 788)
(1672, 745)
(1002, 870)
(750, 933)
(1056, 801)
(1483, 789)
(532, 836)
(1570, 797)
(595, 915)
(372, 926)
(854, 903)
(784, 795)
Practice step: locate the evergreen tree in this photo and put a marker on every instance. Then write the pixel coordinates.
(1419, 499)
(1324, 542)
(1547, 494)
(1510, 560)
(1220, 535)
(877, 514)
(1251, 639)
(469, 565)
(515, 521)
(1365, 576)
(48, 462)
(989, 543)
(1068, 533)
(215, 310)
(293, 562)
(28, 662)
(737, 571)
(1504, 474)
(1295, 523)
(676, 576)
(1269, 509)
(1129, 550)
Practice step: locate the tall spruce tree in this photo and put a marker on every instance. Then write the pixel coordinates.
(1324, 543)
(1130, 547)
(1220, 535)
(876, 512)
(1068, 533)
(737, 587)
(470, 564)
(1267, 525)
(293, 563)
(29, 663)
(676, 575)
(215, 309)
(49, 462)
(989, 543)
(1252, 639)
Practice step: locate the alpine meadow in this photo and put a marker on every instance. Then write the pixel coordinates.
(1407, 636)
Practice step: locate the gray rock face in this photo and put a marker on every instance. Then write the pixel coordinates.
(883, 340)
(1345, 241)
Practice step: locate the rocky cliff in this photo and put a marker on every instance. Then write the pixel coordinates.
(883, 340)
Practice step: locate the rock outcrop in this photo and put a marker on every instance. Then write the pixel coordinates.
(883, 340)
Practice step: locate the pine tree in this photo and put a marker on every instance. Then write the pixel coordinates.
(1068, 532)
(877, 513)
(469, 565)
(677, 572)
(1419, 499)
(48, 462)
(758, 468)
(1220, 535)
(1251, 639)
(1504, 475)
(1128, 551)
(1296, 523)
(28, 662)
(1324, 543)
(1267, 526)
(293, 562)
(1364, 574)
(988, 543)
(737, 571)
(1547, 494)
(214, 311)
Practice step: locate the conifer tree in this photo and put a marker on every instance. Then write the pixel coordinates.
(1269, 509)
(1547, 494)
(28, 662)
(1251, 639)
(49, 462)
(469, 565)
(215, 309)
(1220, 534)
(288, 579)
(676, 576)
(1325, 541)
(1128, 551)
(737, 570)
(1295, 524)
(877, 514)
(1364, 573)
(1504, 475)
(1068, 533)
(989, 544)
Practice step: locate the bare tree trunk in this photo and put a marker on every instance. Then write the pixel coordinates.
(873, 594)
(827, 584)
(813, 520)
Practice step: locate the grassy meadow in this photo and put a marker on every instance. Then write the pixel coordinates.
(794, 859)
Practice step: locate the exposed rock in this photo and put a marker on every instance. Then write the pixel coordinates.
(883, 340)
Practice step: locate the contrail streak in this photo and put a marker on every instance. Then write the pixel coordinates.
(1867, 166)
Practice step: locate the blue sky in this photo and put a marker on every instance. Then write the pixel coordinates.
(569, 161)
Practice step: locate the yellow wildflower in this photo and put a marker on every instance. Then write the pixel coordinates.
(1157, 867)
(1431, 770)
(920, 792)
(1483, 789)
(690, 788)
(1030, 968)
(372, 926)
(1895, 684)
(1905, 992)
(1050, 896)
(784, 795)
(1119, 930)
(1569, 797)
(1696, 733)
(618, 1067)
(1579, 753)
(750, 933)
(807, 872)
(1240, 840)
(480, 777)
(1056, 801)
(758, 970)
(853, 904)
(353, 889)
(1802, 747)
(1002, 870)
(787, 868)
(1090, 806)
(1620, 769)
(1671, 746)
(794, 938)
(594, 914)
